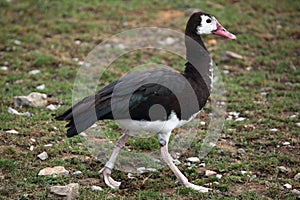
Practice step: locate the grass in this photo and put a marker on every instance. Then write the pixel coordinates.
(42, 35)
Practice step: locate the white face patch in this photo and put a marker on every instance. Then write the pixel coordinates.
(207, 26)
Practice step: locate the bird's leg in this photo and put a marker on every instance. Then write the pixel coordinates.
(106, 170)
(168, 159)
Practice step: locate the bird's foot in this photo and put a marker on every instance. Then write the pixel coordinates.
(197, 187)
(109, 181)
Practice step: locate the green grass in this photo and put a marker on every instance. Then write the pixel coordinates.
(268, 38)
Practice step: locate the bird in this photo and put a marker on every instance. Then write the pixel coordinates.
(132, 99)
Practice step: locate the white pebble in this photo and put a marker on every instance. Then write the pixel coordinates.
(96, 188)
(297, 177)
(33, 140)
(77, 42)
(75, 59)
(226, 71)
(34, 72)
(293, 116)
(43, 155)
(202, 165)
(4, 68)
(298, 124)
(287, 186)
(121, 46)
(286, 143)
(80, 63)
(219, 176)
(240, 119)
(130, 176)
(41, 87)
(295, 192)
(82, 134)
(193, 159)
(12, 131)
(52, 107)
(77, 172)
(243, 172)
(48, 145)
(31, 148)
(202, 123)
(263, 94)
(17, 42)
(273, 129)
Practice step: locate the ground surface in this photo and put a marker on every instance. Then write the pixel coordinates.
(263, 87)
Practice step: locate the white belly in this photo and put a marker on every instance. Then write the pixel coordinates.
(154, 127)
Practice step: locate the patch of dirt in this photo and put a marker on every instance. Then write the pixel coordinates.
(225, 145)
(167, 16)
(238, 189)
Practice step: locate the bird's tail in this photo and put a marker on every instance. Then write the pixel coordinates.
(79, 117)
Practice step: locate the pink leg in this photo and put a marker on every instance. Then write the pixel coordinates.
(106, 170)
(168, 159)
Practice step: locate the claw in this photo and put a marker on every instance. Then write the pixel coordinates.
(197, 187)
(109, 181)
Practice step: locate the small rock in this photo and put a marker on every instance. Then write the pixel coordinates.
(230, 54)
(226, 71)
(75, 59)
(121, 46)
(239, 119)
(193, 159)
(144, 169)
(130, 176)
(48, 145)
(52, 107)
(295, 192)
(202, 123)
(17, 42)
(41, 87)
(4, 68)
(15, 112)
(32, 140)
(219, 176)
(77, 172)
(12, 131)
(202, 165)
(287, 186)
(286, 143)
(263, 94)
(77, 42)
(297, 177)
(167, 41)
(34, 99)
(34, 72)
(273, 129)
(96, 188)
(209, 173)
(293, 117)
(70, 190)
(283, 169)
(241, 151)
(243, 172)
(31, 148)
(57, 170)
(298, 124)
(82, 134)
(43, 155)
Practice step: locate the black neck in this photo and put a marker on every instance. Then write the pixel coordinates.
(198, 65)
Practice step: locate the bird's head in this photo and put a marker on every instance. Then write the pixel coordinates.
(203, 23)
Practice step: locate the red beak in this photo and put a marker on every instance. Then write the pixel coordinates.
(221, 31)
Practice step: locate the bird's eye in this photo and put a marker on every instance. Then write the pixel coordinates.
(208, 20)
